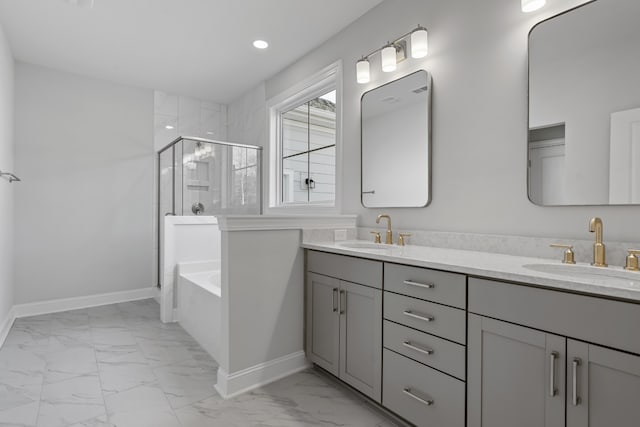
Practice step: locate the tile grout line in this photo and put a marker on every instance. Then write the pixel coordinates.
(93, 346)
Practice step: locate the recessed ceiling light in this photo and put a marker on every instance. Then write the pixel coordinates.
(169, 127)
(260, 44)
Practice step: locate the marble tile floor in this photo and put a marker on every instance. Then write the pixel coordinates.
(119, 366)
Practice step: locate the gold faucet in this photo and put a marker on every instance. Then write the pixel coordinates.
(389, 239)
(599, 259)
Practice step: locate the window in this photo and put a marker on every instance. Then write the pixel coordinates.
(304, 141)
(309, 151)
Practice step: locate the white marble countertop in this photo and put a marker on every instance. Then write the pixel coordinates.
(587, 279)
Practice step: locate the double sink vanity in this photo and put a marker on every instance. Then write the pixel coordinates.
(444, 337)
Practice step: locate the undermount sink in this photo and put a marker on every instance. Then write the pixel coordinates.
(365, 245)
(587, 272)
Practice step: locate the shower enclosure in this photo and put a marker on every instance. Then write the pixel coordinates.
(198, 176)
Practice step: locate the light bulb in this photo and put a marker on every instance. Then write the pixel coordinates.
(362, 71)
(532, 5)
(388, 58)
(419, 43)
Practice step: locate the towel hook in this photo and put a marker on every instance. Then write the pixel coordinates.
(12, 176)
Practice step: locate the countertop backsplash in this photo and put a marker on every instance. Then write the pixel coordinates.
(537, 247)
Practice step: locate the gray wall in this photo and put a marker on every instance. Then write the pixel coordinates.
(83, 218)
(478, 59)
(264, 301)
(6, 189)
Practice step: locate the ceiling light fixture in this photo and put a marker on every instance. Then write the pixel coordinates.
(260, 44)
(532, 5)
(394, 52)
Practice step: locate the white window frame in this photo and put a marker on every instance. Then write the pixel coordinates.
(325, 80)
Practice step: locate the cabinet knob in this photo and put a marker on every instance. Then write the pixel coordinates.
(568, 255)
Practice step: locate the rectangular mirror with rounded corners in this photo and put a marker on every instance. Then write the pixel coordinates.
(396, 143)
(584, 106)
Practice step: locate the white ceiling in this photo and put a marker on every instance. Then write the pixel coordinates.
(201, 48)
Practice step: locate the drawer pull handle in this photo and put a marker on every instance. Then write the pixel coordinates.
(335, 298)
(417, 316)
(426, 351)
(419, 285)
(407, 391)
(552, 372)
(574, 364)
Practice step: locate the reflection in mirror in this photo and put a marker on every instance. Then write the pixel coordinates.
(396, 143)
(584, 106)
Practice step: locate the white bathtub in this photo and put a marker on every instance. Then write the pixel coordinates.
(199, 295)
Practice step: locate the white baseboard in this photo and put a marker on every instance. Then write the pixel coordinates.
(64, 304)
(6, 325)
(231, 385)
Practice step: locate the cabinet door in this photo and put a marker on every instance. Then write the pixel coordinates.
(515, 376)
(323, 331)
(603, 387)
(361, 338)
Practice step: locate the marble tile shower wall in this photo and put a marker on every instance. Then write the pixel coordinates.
(247, 118)
(537, 247)
(187, 117)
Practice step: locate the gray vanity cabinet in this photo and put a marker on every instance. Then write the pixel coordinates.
(515, 377)
(520, 375)
(323, 346)
(361, 338)
(344, 319)
(607, 387)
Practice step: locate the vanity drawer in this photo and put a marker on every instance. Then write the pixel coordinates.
(403, 376)
(356, 270)
(436, 319)
(607, 322)
(432, 285)
(436, 352)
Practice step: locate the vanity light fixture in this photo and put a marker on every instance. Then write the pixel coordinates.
(419, 43)
(532, 5)
(362, 71)
(394, 52)
(388, 56)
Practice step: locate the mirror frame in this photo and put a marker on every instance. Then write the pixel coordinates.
(428, 142)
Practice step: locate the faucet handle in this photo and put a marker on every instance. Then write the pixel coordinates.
(568, 255)
(376, 238)
(632, 260)
(401, 237)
